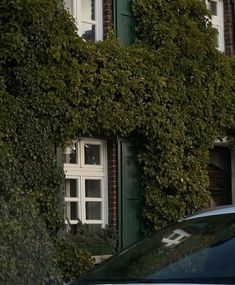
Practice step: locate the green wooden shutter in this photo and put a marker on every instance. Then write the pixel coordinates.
(59, 163)
(130, 191)
(124, 21)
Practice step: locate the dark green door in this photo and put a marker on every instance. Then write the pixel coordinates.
(130, 208)
(219, 171)
(124, 22)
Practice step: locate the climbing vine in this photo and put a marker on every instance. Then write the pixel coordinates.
(171, 90)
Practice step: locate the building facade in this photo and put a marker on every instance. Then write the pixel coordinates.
(221, 169)
(102, 177)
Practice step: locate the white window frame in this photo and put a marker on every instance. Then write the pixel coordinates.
(91, 166)
(74, 199)
(76, 12)
(88, 199)
(82, 172)
(218, 23)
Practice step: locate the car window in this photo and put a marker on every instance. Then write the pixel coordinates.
(201, 248)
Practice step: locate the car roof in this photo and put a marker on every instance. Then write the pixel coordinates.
(220, 210)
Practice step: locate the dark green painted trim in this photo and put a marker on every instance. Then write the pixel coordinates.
(125, 195)
(114, 8)
(123, 21)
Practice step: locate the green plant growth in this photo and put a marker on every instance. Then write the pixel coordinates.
(27, 253)
(192, 104)
(71, 259)
(37, 71)
(172, 90)
(99, 242)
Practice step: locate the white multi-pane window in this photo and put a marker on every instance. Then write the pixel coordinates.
(216, 8)
(88, 15)
(85, 165)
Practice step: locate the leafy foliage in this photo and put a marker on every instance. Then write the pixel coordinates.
(195, 105)
(172, 90)
(27, 253)
(72, 260)
(99, 242)
(37, 69)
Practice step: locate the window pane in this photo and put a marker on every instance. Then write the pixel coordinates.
(88, 9)
(93, 210)
(70, 154)
(88, 31)
(71, 188)
(92, 188)
(92, 154)
(71, 210)
(212, 6)
(68, 4)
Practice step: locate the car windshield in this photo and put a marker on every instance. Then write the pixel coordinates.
(191, 250)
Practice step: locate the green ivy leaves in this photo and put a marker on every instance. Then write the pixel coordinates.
(171, 90)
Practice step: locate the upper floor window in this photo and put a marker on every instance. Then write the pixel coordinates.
(88, 15)
(217, 17)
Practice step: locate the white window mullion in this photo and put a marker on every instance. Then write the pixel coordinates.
(71, 199)
(79, 16)
(83, 201)
(105, 201)
(93, 199)
(94, 222)
(99, 20)
(219, 23)
(79, 155)
(80, 198)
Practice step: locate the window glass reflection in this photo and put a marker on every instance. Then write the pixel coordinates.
(203, 251)
(212, 5)
(71, 188)
(92, 154)
(92, 188)
(71, 210)
(93, 210)
(70, 154)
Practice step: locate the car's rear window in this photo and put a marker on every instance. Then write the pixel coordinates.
(198, 249)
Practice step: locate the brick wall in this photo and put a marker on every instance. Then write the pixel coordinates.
(112, 183)
(228, 27)
(107, 16)
(112, 147)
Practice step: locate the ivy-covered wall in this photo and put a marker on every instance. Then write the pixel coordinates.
(198, 101)
(39, 73)
(171, 89)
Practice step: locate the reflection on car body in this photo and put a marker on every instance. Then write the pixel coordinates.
(176, 237)
(197, 250)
